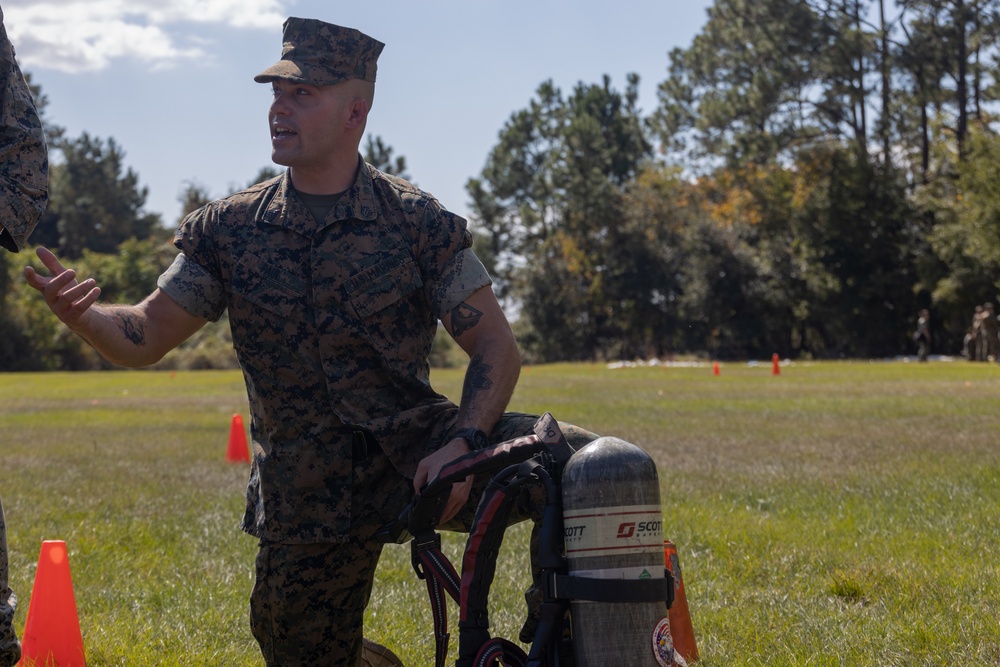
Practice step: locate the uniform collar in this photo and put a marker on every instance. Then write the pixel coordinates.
(286, 209)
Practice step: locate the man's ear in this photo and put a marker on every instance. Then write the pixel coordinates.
(358, 113)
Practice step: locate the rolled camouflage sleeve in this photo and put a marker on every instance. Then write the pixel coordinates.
(24, 165)
(195, 278)
(193, 288)
(451, 268)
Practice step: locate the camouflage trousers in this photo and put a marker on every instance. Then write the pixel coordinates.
(10, 649)
(308, 601)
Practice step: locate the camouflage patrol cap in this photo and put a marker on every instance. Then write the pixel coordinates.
(323, 54)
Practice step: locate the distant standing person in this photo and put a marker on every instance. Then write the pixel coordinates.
(923, 334)
(975, 342)
(988, 329)
(24, 185)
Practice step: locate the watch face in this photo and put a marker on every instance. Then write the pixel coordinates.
(479, 440)
(475, 437)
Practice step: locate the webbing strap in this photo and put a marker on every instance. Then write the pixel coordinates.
(570, 587)
(440, 576)
(496, 457)
(479, 560)
(497, 649)
(483, 544)
(423, 513)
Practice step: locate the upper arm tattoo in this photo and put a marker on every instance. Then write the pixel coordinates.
(463, 318)
(131, 327)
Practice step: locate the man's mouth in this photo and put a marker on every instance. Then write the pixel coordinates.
(279, 132)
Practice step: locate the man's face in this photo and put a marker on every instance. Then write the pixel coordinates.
(308, 124)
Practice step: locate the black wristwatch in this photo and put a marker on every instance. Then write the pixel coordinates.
(475, 437)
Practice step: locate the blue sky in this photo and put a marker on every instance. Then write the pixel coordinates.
(172, 80)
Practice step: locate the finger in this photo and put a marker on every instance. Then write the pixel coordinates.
(78, 290)
(34, 279)
(419, 479)
(57, 283)
(50, 261)
(457, 498)
(88, 300)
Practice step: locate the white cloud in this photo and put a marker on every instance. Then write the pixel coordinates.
(87, 35)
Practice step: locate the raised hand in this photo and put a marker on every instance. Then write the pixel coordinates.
(68, 299)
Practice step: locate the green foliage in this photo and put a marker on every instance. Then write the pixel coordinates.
(94, 204)
(549, 199)
(379, 155)
(741, 89)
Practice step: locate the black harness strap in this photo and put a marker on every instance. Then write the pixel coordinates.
(570, 587)
(522, 460)
(421, 516)
(502, 650)
(440, 576)
(479, 561)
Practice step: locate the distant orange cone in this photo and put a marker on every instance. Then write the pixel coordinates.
(715, 368)
(681, 631)
(52, 628)
(775, 367)
(237, 451)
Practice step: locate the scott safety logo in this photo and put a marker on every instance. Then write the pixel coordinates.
(642, 528)
(623, 529)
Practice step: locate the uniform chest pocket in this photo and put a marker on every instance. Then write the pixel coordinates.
(267, 286)
(382, 285)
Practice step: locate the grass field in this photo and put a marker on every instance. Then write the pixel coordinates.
(837, 514)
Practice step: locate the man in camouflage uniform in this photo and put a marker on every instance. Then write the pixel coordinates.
(10, 648)
(25, 166)
(24, 185)
(335, 276)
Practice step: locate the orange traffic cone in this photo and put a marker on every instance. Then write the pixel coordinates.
(681, 631)
(52, 629)
(237, 451)
(775, 368)
(715, 368)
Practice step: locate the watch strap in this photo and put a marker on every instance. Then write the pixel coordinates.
(476, 438)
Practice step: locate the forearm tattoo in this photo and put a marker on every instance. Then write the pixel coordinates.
(476, 380)
(131, 327)
(463, 318)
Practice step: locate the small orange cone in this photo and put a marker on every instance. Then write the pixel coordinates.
(237, 451)
(681, 631)
(52, 628)
(775, 367)
(715, 368)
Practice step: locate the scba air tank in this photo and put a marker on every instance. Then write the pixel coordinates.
(614, 530)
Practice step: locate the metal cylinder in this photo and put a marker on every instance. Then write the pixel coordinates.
(614, 530)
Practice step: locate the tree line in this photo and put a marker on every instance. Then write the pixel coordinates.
(812, 175)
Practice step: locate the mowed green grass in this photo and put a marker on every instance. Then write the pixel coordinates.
(836, 514)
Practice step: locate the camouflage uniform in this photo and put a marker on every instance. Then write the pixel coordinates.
(10, 649)
(333, 323)
(23, 196)
(23, 157)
